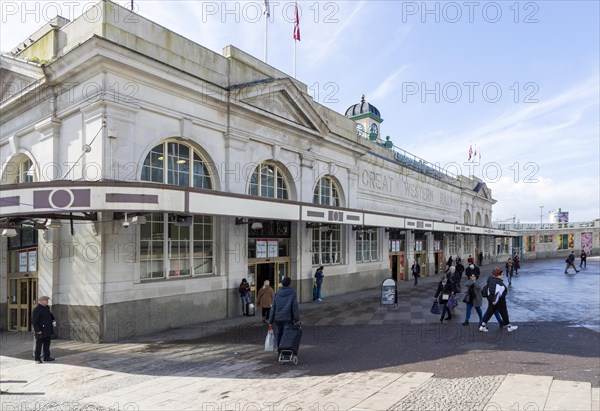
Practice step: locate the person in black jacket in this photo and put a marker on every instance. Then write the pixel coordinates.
(571, 262)
(43, 324)
(416, 271)
(444, 291)
(284, 310)
(496, 301)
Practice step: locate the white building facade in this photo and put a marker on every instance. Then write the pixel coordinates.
(143, 176)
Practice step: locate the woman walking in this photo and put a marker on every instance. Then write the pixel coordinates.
(264, 299)
(496, 301)
(443, 294)
(473, 298)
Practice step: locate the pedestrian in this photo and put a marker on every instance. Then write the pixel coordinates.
(459, 267)
(516, 264)
(582, 259)
(443, 293)
(509, 270)
(473, 269)
(571, 262)
(416, 271)
(319, 280)
(480, 258)
(264, 299)
(456, 279)
(244, 290)
(496, 302)
(473, 298)
(43, 324)
(448, 264)
(284, 310)
(470, 260)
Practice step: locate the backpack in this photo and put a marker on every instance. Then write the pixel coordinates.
(485, 292)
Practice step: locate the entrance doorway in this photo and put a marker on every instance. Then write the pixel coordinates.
(273, 271)
(22, 299)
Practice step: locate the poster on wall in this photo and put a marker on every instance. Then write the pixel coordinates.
(32, 260)
(22, 261)
(272, 249)
(586, 242)
(261, 249)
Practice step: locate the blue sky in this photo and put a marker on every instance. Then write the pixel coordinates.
(520, 80)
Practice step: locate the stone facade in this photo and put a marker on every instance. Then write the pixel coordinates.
(91, 111)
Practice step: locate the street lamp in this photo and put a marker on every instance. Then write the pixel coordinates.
(541, 215)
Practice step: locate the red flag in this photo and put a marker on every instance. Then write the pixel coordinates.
(470, 152)
(296, 24)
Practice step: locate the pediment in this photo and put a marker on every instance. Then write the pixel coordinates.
(282, 99)
(16, 75)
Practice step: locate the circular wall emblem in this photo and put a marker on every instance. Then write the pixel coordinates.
(61, 198)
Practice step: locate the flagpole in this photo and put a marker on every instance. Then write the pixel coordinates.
(294, 71)
(267, 38)
(267, 14)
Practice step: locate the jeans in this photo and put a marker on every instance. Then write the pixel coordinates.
(245, 301)
(469, 308)
(319, 295)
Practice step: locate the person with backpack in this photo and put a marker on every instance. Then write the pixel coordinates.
(319, 282)
(571, 262)
(496, 292)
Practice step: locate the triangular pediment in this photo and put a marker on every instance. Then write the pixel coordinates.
(16, 75)
(281, 99)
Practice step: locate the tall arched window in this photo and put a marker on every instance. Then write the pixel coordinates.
(267, 180)
(326, 193)
(170, 245)
(177, 164)
(327, 240)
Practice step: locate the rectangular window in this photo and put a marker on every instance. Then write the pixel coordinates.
(182, 251)
(547, 238)
(367, 246)
(452, 244)
(327, 245)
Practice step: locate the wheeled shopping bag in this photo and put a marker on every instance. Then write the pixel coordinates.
(289, 345)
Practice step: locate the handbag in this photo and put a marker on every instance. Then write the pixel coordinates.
(435, 308)
(270, 340)
(452, 302)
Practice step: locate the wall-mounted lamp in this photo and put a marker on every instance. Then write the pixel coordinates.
(54, 224)
(8, 232)
(254, 225)
(138, 220)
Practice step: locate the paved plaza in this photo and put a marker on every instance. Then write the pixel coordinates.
(355, 355)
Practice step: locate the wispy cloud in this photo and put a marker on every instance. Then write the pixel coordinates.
(388, 85)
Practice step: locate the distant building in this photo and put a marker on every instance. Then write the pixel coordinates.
(558, 216)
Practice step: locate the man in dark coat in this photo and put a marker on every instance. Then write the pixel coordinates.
(284, 310)
(43, 323)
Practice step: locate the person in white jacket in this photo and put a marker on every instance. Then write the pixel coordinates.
(496, 301)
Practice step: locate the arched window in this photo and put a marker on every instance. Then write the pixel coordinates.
(327, 239)
(326, 193)
(19, 170)
(267, 180)
(177, 164)
(171, 245)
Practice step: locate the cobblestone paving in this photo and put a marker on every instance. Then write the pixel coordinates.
(458, 394)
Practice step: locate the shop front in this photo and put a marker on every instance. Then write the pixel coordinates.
(268, 254)
(397, 253)
(22, 279)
